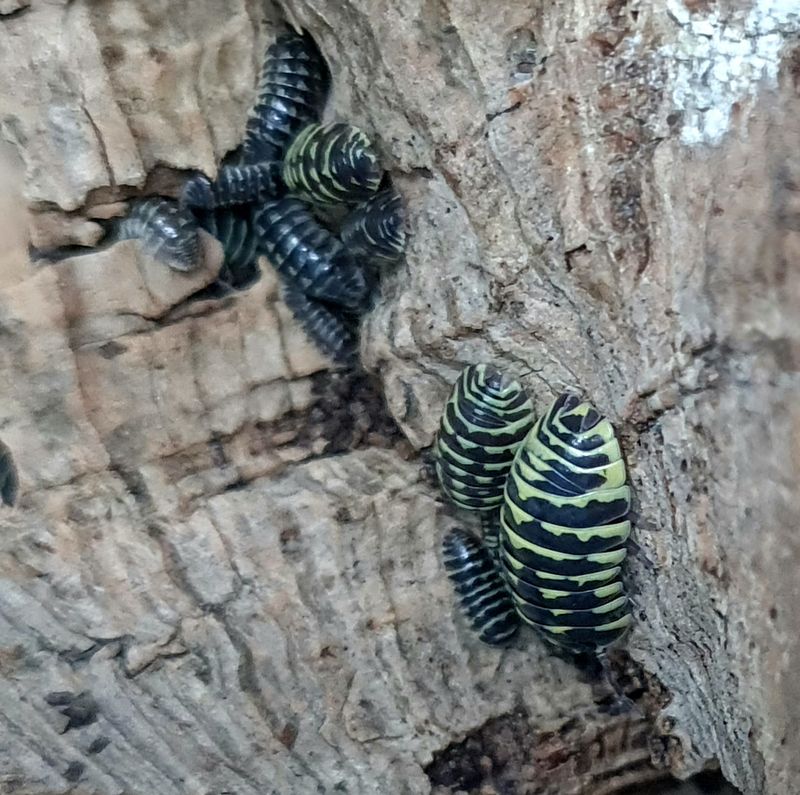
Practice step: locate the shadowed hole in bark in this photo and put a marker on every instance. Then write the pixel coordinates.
(98, 744)
(707, 783)
(290, 536)
(509, 109)
(80, 710)
(509, 755)
(636, 683)
(583, 754)
(349, 412)
(74, 771)
(23, 8)
(522, 55)
(594, 753)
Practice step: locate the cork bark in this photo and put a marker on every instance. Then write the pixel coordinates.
(222, 570)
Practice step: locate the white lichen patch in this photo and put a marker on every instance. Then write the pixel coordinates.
(718, 60)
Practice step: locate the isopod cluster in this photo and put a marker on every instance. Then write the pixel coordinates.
(274, 199)
(553, 496)
(551, 491)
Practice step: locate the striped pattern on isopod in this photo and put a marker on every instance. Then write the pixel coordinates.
(233, 227)
(483, 596)
(168, 233)
(564, 526)
(234, 185)
(333, 333)
(291, 93)
(485, 420)
(375, 229)
(246, 207)
(306, 255)
(332, 164)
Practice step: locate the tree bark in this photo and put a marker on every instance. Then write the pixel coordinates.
(222, 572)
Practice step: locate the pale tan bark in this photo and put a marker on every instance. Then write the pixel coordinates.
(233, 553)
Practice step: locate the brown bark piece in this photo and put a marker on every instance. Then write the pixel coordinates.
(222, 571)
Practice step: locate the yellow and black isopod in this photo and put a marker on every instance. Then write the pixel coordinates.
(564, 524)
(332, 164)
(375, 229)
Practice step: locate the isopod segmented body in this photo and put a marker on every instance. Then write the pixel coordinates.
(484, 422)
(234, 229)
(332, 333)
(307, 255)
(168, 232)
(483, 595)
(291, 93)
(376, 228)
(563, 528)
(234, 185)
(331, 164)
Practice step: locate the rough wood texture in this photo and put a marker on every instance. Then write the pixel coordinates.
(223, 574)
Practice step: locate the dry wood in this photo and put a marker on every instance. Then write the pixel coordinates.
(222, 572)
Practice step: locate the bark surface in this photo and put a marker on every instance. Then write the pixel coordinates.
(222, 571)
